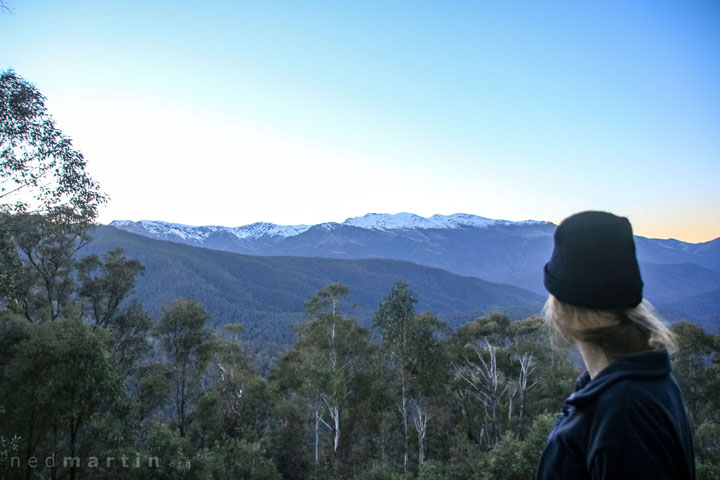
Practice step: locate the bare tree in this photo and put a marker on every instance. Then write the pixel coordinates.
(525, 383)
(484, 383)
(423, 414)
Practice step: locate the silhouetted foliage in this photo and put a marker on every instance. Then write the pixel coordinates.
(41, 171)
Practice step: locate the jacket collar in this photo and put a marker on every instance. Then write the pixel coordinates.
(648, 364)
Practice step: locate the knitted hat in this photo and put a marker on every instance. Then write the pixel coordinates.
(593, 263)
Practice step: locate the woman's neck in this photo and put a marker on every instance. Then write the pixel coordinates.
(594, 357)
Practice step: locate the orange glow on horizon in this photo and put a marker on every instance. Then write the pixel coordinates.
(688, 227)
(700, 235)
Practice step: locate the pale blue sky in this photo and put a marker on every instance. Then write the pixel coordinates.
(304, 112)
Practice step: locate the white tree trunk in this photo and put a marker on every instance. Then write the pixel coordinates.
(405, 419)
(317, 443)
(484, 381)
(527, 368)
(422, 416)
(335, 413)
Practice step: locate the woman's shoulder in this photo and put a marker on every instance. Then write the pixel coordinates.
(641, 393)
(639, 411)
(639, 376)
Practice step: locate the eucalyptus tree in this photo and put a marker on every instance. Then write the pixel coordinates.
(507, 372)
(61, 381)
(40, 170)
(188, 344)
(415, 354)
(104, 282)
(47, 203)
(696, 366)
(332, 350)
(394, 319)
(487, 384)
(37, 253)
(428, 374)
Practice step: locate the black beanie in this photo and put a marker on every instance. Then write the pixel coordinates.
(593, 263)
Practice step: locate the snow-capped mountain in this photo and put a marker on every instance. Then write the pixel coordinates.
(410, 221)
(465, 244)
(501, 251)
(189, 233)
(254, 231)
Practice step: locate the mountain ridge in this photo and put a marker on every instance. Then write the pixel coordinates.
(496, 251)
(266, 293)
(371, 221)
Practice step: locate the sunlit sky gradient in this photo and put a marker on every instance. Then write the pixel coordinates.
(231, 112)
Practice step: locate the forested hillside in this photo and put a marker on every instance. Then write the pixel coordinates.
(181, 401)
(93, 386)
(499, 251)
(266, 294)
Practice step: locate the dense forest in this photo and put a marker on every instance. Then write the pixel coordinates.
(92, 386)
(266, 294)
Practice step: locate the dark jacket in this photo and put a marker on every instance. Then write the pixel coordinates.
(629, 422)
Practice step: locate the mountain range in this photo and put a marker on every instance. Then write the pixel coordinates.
(682, 279)
(266, 294)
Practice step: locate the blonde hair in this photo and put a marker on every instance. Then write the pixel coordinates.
(616, 332)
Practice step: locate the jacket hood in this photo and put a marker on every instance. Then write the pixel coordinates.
(649, 365)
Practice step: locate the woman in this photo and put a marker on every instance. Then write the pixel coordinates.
(627, 419)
